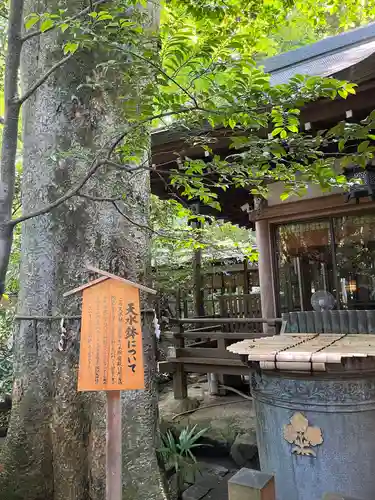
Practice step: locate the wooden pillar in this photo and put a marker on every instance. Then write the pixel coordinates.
(197, 271)
(113, 455)
(179, 374)
(246, 276)
(178, 303)
(198, 283)
(186, 306)
(267, 298)
(300, 283)
(222, 283)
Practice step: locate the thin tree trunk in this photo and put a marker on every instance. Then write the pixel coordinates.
(10, 135)
(56, 441)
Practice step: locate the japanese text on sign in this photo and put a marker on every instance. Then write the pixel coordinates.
(111, 353)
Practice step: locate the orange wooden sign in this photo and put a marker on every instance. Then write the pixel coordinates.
(111, 352)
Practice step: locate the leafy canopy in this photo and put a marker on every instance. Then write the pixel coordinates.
(204, 76)
(208, 65)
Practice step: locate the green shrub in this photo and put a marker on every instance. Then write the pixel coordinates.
(177, 452)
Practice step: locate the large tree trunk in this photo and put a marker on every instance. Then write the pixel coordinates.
(55, 448)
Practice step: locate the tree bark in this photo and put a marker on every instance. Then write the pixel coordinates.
(55, 448)
(10, 135)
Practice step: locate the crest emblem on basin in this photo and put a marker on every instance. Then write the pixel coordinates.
(302, 435)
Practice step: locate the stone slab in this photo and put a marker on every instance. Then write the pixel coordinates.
(244, 449)
(214, 469)
(207, 480)
(196, 492)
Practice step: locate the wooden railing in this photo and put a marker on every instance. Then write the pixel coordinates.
(240, 306)
(208, 354)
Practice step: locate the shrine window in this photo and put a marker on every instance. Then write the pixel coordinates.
(335, 254)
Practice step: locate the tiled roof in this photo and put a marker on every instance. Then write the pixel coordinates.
(324, 58)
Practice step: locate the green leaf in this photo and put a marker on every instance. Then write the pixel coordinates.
(104, 15)
(341, 179)
(70, 47)
(64, 27)
(277, 131)
(32, 19)
(342, 143)
(125, 22)
(292, 128)
(46, 25)
(215, 204)
(343, 93)
(362, 147)
(298, 78)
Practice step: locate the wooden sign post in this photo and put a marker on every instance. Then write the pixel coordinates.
(111, 355)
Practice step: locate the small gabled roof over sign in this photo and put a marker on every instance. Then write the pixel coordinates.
(105, 276)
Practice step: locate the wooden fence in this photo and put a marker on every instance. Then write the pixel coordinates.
(208, 354)
(240, 306)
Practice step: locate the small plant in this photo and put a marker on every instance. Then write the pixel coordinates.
(178, 452)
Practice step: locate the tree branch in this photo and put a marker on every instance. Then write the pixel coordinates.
(159, 116)
(144, 226)
(173, 195)
(163, 235)
(162, 72)
(96, 163)
(16, 208)
(148, 228)
(129, 219)
(83, 12)
(128, 168)
(98, 198)
(43, 79)
(137, 224)
(69, 194)
(118, 166)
